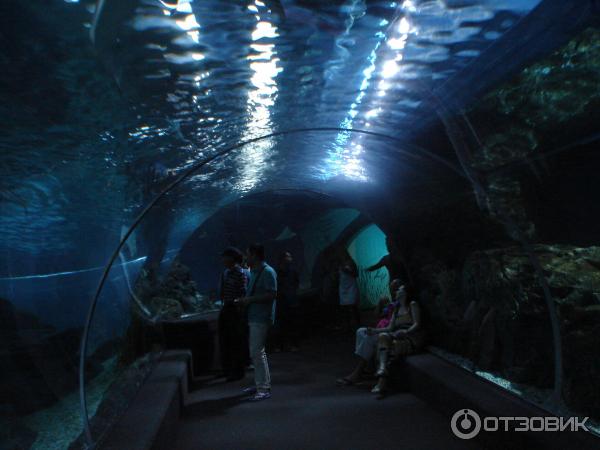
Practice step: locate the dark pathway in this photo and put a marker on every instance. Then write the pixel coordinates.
(307, 411)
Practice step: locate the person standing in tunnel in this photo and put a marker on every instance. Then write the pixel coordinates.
(349, 293)
(232, 320)
(288, 307)
(262, 292)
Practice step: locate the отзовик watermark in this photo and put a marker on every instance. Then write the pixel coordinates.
(466, 424)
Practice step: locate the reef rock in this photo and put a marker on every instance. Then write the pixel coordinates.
(495, 313)
(528, 116)
(176, 295)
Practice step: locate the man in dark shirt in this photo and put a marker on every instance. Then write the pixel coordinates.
(287, 316)
(232, 321)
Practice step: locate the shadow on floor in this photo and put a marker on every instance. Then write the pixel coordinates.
(216, 407)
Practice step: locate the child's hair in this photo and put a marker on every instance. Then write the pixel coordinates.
(234, 254)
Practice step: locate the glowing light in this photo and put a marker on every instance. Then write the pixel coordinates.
(409, 5)
(404, 26)
(195, 35)
(344, 160)
(264, 30)
(184, 7)
(389, 69)
(373, 113)
(189, 23)
(264, 51)
(184, 58)
(397, 43)
(199, 77)
(264, 66)
(168, 5)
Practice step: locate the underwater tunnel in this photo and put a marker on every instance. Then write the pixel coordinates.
(452, 145)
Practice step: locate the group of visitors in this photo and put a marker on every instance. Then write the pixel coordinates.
(249, 288)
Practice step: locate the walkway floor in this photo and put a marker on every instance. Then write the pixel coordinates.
(307, 411)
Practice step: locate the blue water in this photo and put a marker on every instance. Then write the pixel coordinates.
(190, 79)
(197, 78)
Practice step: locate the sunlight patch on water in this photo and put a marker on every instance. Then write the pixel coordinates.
(346, 158)
(265, 67)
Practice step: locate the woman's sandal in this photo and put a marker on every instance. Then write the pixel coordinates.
(344, 382)
(380, 392)
(381, 372)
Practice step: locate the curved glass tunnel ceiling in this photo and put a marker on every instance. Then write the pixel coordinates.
(105, 103)
(194, 77)
(215, 72)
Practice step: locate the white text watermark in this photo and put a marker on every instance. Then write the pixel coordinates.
(466, 424)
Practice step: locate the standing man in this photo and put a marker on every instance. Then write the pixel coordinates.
(348, 289)
(232, 320)
(262, 291)
(288, 318)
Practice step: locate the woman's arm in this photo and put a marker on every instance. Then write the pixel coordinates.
(388, 329)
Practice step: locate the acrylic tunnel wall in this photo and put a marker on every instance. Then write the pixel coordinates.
(474, 153)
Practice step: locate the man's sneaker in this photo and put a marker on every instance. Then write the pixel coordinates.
(259, 396)
(250, 390)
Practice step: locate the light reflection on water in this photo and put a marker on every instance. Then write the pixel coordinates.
(202, 75)
(261, 98)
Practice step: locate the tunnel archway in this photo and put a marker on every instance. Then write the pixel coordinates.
(419, 202)
(301, 221)
(420, 157)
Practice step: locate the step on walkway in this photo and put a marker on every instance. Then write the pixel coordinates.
(307, 411)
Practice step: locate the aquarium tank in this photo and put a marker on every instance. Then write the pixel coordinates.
(141, 137)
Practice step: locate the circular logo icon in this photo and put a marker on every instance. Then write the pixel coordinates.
(465, 424)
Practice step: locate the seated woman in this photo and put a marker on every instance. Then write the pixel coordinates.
(407, 338)
(367, 339)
